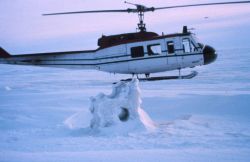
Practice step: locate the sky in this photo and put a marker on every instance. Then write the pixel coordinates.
(23, 29)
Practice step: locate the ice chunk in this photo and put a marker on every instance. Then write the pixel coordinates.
(119, 112)
(122, 108)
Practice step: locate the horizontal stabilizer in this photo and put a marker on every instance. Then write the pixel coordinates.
(4, 54)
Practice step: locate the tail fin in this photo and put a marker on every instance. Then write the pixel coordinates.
(4, 54)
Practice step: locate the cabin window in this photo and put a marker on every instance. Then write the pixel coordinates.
(170, 46)
(137, 51)
(188, 46)
(154, 49)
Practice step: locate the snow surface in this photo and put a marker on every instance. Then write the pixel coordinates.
(202, 119)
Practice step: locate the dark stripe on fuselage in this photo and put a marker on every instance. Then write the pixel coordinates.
(102, 58)
(127, 60)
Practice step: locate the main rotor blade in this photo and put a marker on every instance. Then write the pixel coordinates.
(148, 9)
(94, 11)
(202, 4)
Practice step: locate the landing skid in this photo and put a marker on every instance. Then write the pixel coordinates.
(188, 76)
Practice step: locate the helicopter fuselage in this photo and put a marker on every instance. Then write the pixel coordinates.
(127, 54)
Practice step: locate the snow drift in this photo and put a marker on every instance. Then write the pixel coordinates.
(119, 112)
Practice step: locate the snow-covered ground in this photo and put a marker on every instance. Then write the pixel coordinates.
(206, 118)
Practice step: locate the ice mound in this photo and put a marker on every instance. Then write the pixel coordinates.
(119, 112)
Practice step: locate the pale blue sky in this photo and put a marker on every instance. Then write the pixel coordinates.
(24, 30)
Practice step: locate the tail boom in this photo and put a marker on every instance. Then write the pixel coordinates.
(68, 59)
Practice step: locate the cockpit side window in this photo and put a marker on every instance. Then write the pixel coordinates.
(154, 49)
(170, 46)
(137, 51)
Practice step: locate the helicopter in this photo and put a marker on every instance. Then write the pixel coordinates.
(140, 52)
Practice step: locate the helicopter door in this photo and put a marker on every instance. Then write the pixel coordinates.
(171, 50)
(188, 47)
(136, 52)
(180, 52)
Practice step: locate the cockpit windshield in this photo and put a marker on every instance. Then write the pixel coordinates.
(196, 40)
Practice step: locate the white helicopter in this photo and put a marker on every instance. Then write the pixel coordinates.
(136, 53)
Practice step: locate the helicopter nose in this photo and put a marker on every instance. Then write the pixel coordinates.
(209, 54)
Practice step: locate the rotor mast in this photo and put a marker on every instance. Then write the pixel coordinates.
(140, 9)
(141, 25)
